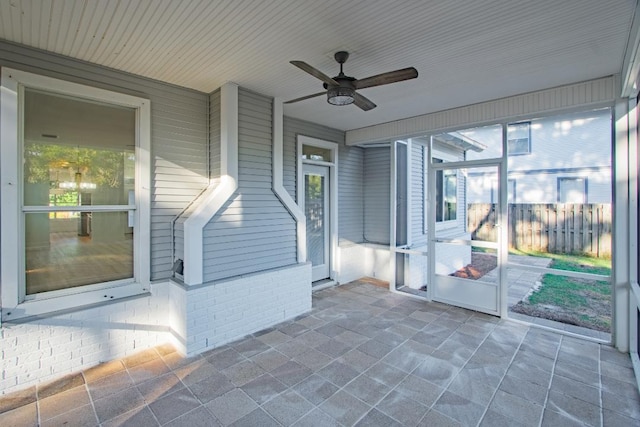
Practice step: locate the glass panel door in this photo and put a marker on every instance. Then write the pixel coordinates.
(465, 236)
(316, 206)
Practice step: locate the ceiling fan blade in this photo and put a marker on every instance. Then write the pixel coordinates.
(364, 103)
(305, 97)
(386, 78)
(315, 73)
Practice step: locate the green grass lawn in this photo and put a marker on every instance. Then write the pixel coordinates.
(570, 300)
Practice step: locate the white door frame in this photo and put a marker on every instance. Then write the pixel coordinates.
(499, 245)
(333, 191)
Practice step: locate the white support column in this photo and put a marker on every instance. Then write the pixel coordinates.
(214, 197)
(620, 249)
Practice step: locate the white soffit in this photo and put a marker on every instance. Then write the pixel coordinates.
(466, 52)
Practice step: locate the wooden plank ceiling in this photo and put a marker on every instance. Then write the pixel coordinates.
(466, 52)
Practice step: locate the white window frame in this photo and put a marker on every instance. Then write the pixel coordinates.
(446, 158)
(12, 275)
(521, 153)
(585, 186)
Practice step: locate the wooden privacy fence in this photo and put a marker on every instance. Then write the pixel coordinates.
(556, 228)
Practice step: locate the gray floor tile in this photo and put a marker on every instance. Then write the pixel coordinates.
(439, 372)
(110, 385)
(517, 408)
(367, 389)
(231, 406)
(621, 388)
(225, 358)
(293, 329)
(554, 419)
(249, 347)
(312, 339)
(199, 417)
(195, 372)
(375, 418)
(527, 390)
(257, 417)
(160, 386)
(375, 349)
(118, 403)
(60, 403)
(585, 376)
(317, 418)
(333, 348)
(345, 408)
(386, 374)
(496, 419)
(457, 407)
(148, 370)
(263, 388)
(620, 373)
(288, 407)
(212, 387)
(313, 359)
(26, 415)
(612, 355)
(435, 418)
(338, 373)
(408, 356)
(611, 418)
(316, 389)
(575, 389)
(174, 405)
(358, 360)
(243, 372)
(629, 407)
(274, 338)
(475, 385)
(291, 373)
(270, 359)
(576, 408)
(139, 417)
(402, 408)
(82, 415)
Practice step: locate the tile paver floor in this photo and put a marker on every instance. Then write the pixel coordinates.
(362, 356)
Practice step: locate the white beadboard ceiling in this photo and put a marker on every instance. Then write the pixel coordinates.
(465, 51)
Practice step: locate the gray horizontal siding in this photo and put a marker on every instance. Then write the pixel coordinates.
(350, 184)
(252, 231)
(377, 172)
(178, 135)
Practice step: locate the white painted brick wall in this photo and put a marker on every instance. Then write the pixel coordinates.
(220, 312)
(44, 349)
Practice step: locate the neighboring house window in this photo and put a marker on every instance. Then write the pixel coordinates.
(446, 194)
(519, 138)
(572, 190)
(81, 215)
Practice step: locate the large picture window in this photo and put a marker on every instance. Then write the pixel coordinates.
(80, 214)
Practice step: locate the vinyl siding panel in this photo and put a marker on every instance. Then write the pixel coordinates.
(377, 173)
(350, 178)
(178, 135)
(252, 231)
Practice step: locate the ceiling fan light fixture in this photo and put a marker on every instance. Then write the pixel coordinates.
(340, 95)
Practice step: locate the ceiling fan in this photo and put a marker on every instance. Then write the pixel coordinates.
(341, 89)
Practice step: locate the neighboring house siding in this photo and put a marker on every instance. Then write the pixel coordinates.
(562, 146)
(178, 135)
(253, 231)
(350, 183)
(377, 172)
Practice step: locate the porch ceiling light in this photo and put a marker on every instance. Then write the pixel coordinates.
(340, 95)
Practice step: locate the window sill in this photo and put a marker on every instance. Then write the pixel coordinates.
(31, 309)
